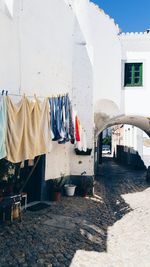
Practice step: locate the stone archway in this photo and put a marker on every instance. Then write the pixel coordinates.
(140, 122)
(104, 112)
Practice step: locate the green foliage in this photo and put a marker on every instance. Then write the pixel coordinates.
(9, 172)
(57, 184)
(87, 183)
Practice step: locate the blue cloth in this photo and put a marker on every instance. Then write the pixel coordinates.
(71, 124)
(58, 108)
(61, 119)
(66, 121)
(3, 123)
(54, 121)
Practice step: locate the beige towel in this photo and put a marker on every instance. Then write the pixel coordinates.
(28, 133)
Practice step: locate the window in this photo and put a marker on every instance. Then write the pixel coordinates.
(133, 74)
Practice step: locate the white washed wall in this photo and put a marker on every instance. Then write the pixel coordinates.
(60, 46)
(136, 48)
(46, 46)
(82, 99)
(9, 50)
(104, 50)
(38, 57)
(36, 47)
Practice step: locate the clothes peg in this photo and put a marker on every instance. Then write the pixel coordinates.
(6, 92)
(3, 92)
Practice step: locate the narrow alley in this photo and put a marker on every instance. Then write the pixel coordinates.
(110, 229)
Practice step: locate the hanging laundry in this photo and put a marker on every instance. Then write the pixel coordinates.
(64, 118)
(71, 125)
(63, 131)
(82, 144)
(80, 134)
(22, 164)
(28, 129)
(3, 123)
(61, 119)
(77, 129)
(54, 118)
(45, 123)
(67, 119)
(84, 141)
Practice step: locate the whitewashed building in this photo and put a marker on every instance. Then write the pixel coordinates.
(135, 93)
(72, 46)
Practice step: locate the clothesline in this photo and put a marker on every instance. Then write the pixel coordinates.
(32, 96)
(29, 127)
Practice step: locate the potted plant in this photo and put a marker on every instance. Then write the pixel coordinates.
(87, 185)
(56, 189)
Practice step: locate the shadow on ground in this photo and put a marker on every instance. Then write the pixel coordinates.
(54, 234)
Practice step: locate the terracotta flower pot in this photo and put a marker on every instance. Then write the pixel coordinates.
(56, 196)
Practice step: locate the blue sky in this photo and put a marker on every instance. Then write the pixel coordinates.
(130, 15)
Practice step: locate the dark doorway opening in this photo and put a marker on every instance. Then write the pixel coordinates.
(33, 178)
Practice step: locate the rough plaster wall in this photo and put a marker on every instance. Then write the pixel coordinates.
(39, 61)
(82, 97)
(46, 43)
(107, 55)
(36, 52)
(139, 94)
(140, 141)
(146, 149)
(136, 48)
(104, 50)
(9, 50)
(57, 161)
(36, 57)
(143, 147)
(101, 33)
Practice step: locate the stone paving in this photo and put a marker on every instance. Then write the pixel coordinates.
(82, 232)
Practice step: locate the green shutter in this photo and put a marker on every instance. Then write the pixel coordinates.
(141, 74)
(133, 70)
(133, 74)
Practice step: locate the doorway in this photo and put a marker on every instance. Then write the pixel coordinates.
(33, 178)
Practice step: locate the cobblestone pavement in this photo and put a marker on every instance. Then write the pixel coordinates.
(82, 232)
